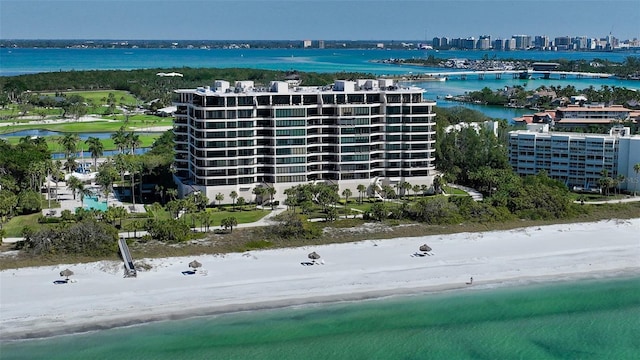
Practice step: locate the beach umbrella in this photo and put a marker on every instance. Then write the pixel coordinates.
(425, 248)
(195, 264)
(314, 256)
(66, 273)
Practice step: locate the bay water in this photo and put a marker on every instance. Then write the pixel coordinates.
(16, 61)
(582, 319)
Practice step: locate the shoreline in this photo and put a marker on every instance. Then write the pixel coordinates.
(270, 279)
(191, 313)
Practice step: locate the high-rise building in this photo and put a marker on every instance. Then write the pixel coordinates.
(541, 42)
(510, 44)
(523, 42)
(484, 42)
(579, 42)
(350, 133)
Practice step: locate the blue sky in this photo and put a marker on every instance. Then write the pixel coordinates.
(314, 19)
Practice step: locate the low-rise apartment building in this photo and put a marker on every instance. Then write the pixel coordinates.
(577, 159)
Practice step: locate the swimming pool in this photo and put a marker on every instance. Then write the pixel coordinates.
(91, 202)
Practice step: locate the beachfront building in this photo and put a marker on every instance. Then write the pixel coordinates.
(350, 133)
(577, 159)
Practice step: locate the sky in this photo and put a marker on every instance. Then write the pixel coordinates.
(315, 19)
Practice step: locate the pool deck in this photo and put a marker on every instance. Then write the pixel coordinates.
(65, 197)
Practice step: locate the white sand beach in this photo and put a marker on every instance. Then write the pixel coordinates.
(31, 305)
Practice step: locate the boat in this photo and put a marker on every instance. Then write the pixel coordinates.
(448, 97)
(433, 78)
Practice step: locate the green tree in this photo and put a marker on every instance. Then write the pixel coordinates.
(106, 177)
(416, 189)
(96, 148)
(361, 190)
(346, 193)
(132, 141)
(219, 198)
(233, 196)
(29, 202)
(379, 211)
(271, 191)
(259, 192)
(76, 186)
(229, 223)
(241, 202)
(120, 139)
(69, 143)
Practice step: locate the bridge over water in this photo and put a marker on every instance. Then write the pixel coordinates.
(499, 74)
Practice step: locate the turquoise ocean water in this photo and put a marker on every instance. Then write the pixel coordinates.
(579, 320)
(586, 319)
(25, 61)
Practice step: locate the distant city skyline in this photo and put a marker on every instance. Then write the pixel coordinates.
(315, 19)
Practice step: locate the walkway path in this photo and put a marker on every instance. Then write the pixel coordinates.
(613, 201)
(475, 194)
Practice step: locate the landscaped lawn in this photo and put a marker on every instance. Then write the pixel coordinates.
(243, 217)
(14, 227)
(55, 147)
(99, 97)
(453, 191)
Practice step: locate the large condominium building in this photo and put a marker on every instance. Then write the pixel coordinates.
(350, 133)
(577, 159)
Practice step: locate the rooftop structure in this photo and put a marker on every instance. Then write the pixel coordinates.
(572, 116)
(235, 138)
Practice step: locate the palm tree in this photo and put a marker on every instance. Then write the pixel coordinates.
(134, 166)
(107, 175)
(619, 181)
(241, 202)
(69, 143)
(271, 191)
(636, 169)
(96, 148)
(416, 188)
(70, 165)
(361, 190)
(120, 139)
(258, 191)
(347, 194)
(406, 187)
(77, 186)
(219, 198)
(132, 141)
(233, 196)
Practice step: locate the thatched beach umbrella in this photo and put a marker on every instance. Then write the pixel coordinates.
(195, 264)
(425, 248)
(66, 273)
(314, 256)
